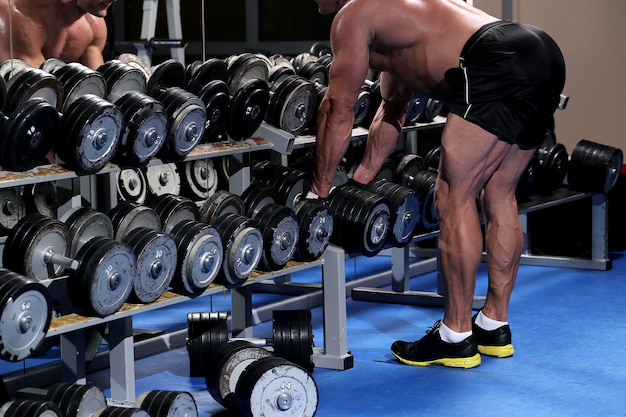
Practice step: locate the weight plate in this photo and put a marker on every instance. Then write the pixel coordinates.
(226, 367)
(31, 132)
(216, 99)
(424, 185)
(163, 179)
(78, 80)
(145, 128)
(407, 165)
(243, 246)
(387, 171)
(258, 195)
(51, 65)
(187, 121)
(91, 128)
(30, 408)
(132, 185)
(320, 49)
(316, 228)
(171, 403)
(553, 162)
(169, 73)
(77, 400)
(433, 109)
(301, 59)
(314, 72)
(85, 223)
(275, 386)
(32, 83)
(280, 229)
(29, 244)
(200, 254)
(116, 411)
(594, 167)
(213, 69)
(26, 315)
(136, 62)
(376, 228)
(248, 107)
(200, 178)
(10, 67)
(41, 198)
(174, 209)
(12, 208)
(280, 72)
(362, 106)
(432, 158)
(104, 278)
(293, 105)
(156, 262)
(206, 331)
(220, 203)
(121, 77)
(292, 336)
(245, 68)
(127, 216)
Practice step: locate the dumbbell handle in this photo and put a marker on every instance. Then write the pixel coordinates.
(55, 259)
(254, 340)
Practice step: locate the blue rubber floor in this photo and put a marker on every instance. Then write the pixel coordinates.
(569, 332)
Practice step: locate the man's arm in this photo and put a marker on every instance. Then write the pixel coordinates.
(335, 117)
(92, 56)
(385, 128)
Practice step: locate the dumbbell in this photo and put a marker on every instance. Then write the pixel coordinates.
(199, 179)
(77, 80)
(172, 209)
(24, 82)
(164, 403)
(28, 134)
(25, 314)
(101, 270)
(407, 165)
(120, 78)
(553, 162)
(77, 400)
(361, 219)
(208, 80)
(292, 337)
(293, 104)
(12, 208)
(30, 408)
(594, 167)
(186, 112)
(405, 210)
(162, 179)
(278, 224)
(424, 185)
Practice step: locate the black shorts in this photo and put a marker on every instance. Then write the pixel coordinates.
(509, 82)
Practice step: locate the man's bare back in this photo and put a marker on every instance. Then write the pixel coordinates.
(72, 30)
(416, 41)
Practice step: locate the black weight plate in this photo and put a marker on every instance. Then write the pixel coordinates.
(316, 227)
(424, 185)
(127, 216)
(432, 158)
(280, 231)
(292, 336)
(31, 132)
(174, 209)
(187, 121)
(85, 223)
(216, 98)
(31, 83)
(213, 69)
(120, 78)
(206, 331)
(362, 106)
(320, 49)
(132, 185)
(256, 196)
(169, 73)
(243, 245)
(248, 107)
(200, 179)
(220, 203)
(407, 165)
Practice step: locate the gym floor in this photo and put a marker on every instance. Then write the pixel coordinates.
(568, 331)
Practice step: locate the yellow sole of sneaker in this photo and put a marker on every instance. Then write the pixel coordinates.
(469, 362)
(497, 351)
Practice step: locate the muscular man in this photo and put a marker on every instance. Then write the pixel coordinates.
(502, 82)
(72, 30)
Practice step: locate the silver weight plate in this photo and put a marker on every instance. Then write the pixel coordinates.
(24, 322)
(50, 65)
(203, 260)
(12, 208)
(298, 108)
(249, 69)
(274, 386)
(41, 198)
(84, 224)
(406, 218)
(163, 179)
(317, 233)
(283, 243)
(98, 137)
(376, 228)
(110, 277)
(156, 263)
(149, 136)
(92, 400)
(10, 67)
(187, 126)
(243, 254)
(168, 403)
(201, 177)
(139, 216)
(91, 82)
(132, 185)
(52, 238)
(134, 80)
(136, 62)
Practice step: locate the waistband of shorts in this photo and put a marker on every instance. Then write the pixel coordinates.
(480, 33)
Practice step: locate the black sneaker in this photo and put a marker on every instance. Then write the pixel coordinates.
(493, 342)
(431, 350)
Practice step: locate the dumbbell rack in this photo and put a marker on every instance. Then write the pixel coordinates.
(70, 327)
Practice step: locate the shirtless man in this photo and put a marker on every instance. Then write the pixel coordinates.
(502, 82)
(71, 30)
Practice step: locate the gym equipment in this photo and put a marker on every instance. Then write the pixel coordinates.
(127, 216)
(163, 179)
(594, 167)
(41, 198)
(76, 79)
(424, 186)
(28, 134)
(12, 208)
(316, 229)
(173, 209)
(199, 179)
(121, 77)
(292, 105)
(100, 273)
(24, 82)
(248, 107)
(145, 128)
(290, 183)
(77, 400)
(200, 255)
(220, 203)
(89, 134)
(360, 219)
(30, 408)
(132, 185)
(26, 312)
(162, 403)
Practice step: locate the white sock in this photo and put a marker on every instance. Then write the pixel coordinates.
(450, 336)
(488, 324)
